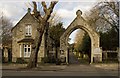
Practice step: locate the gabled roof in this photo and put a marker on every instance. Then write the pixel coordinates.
(24, 17)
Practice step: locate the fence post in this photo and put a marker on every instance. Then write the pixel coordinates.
(118, 53)
(101, 54)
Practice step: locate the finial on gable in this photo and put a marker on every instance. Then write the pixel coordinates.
(79, 13)
(29, 10)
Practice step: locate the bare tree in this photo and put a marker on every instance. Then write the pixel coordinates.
(43, 21)
(54, 18)
(5, 37)
(104, 15)
(78, 39)
(5, 31)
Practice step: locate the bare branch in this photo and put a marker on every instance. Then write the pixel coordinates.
(44, 6)
(54, 19)
(27, 5)
(30, 4)
(52, 5)
(113, 7)
(50, 10)
(35, 7)
(36, 13)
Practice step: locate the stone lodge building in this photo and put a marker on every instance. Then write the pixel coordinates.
(23, 35)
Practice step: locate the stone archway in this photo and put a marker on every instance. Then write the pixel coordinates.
(79, 22)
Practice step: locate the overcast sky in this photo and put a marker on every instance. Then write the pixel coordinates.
(15, 10)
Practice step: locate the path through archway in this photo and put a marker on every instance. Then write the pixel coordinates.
(80, 23)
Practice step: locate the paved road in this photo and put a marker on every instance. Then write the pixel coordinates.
(56, 73)
(71, 70)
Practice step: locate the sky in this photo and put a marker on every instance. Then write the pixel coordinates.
(15, 10)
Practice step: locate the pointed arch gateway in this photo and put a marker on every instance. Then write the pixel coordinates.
(80, 23)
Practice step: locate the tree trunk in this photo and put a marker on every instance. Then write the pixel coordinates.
(43, 23)
(35, 48)
(33, 59)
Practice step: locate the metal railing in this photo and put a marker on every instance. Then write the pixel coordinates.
(110, 56)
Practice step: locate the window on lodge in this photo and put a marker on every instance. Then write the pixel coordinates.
(27, 50)
(28, 30)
